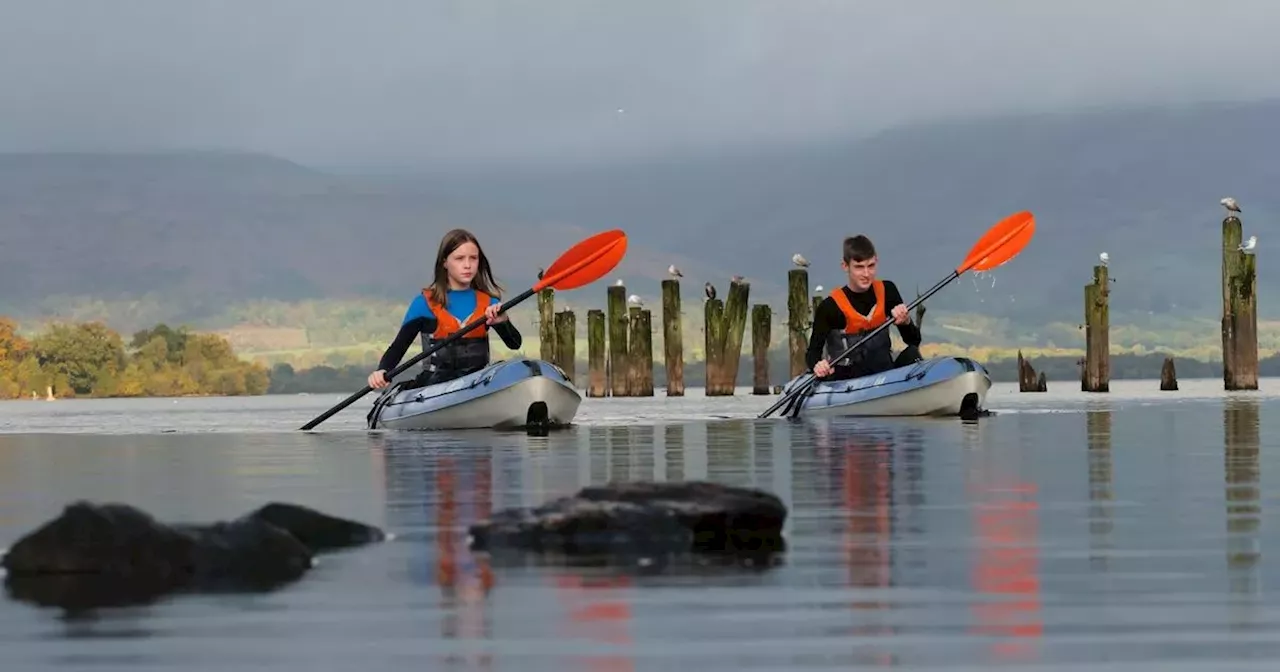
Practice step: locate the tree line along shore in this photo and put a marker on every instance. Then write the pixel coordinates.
(88, 359)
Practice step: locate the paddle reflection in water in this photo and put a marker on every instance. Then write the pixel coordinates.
(1240, 429)
(1006, 567)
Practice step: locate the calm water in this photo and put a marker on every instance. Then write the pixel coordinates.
(1119, 531)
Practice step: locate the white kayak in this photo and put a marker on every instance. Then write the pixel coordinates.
(938, 386)
(510, 394)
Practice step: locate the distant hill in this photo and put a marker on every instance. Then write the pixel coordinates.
(184, 236)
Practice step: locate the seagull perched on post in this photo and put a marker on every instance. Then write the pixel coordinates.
(1104, 258)
(817, 290)
(799, 260)
(674, 272)
(1248, 244)
(634, 300)
(738, 280)
(1230, 204)
(617, 283)
(710, 290)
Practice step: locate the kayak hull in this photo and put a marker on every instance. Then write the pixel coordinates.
(941, 386)
(511, 394)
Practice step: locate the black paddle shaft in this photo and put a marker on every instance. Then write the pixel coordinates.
(417, 358)
(799, 390)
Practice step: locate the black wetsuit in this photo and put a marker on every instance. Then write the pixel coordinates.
(873, 357)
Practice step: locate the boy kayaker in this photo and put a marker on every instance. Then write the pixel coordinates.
(463, 290)
(851, 311)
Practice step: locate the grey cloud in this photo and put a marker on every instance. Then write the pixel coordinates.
(383, 81)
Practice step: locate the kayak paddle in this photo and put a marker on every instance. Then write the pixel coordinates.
(580, 265)
(997, 246)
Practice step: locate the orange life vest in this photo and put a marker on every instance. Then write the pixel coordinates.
(447, 324)
(855, 322)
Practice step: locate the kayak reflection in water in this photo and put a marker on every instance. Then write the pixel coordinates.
(852, 311)
(463, 290)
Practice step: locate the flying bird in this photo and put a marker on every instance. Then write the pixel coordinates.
(1104, 258)
(1248, 244)
(1230, 204)
(634, 300)
(799, 260)
(674, 272)
(710, 290)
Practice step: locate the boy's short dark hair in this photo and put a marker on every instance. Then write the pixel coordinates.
(858, 248)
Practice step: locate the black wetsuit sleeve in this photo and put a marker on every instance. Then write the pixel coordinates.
(409, 332)
(510, 335)
(825, 318)
(909, 331)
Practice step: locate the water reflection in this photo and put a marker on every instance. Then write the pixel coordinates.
(1098, 443)
(1006, 572)
(1240, 426)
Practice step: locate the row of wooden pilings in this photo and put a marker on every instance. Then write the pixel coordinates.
(620, 341)
(1239, 326)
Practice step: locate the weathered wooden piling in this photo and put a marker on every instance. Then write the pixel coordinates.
(619, 352)
(1097, 333)
(566, 327)
(547, 325)
(640, 369)
(816, 300)
(1239, 310)
(735, 328)
(597, 380)
(799, 318)
(1027, 380)
(1168, 376)
(761, 325)
(713, 338)
(672, 337)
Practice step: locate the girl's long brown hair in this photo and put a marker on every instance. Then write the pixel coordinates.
(483, 280)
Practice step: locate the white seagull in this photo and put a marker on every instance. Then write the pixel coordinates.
(1104, 258)
(674, 272)
(799, 260)
(617, 283)
(634, 300)
(1248, 244)
(1230, 204)
(817, 290)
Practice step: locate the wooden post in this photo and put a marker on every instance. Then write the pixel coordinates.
(799, 319)
(735, 327)
(597, 381)
(547, 325)
(673, 337)
(619, 353)
(1097, 333)
(761, 324)
(713, 337)
(1027, 380)
(1168, 376)
(566, 324)
(641, 378)
(1239, 311)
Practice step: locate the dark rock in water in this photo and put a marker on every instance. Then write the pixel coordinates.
(114, 554)
(642, 523)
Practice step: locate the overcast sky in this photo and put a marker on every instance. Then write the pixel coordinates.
(378, 81)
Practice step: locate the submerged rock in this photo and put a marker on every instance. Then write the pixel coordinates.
(115, 554)
(642, 523)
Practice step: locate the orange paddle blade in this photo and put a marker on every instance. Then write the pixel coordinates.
(1000, 243)
(585, 262)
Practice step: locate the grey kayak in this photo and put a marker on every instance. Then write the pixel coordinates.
(509, 394)
(938, 386)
